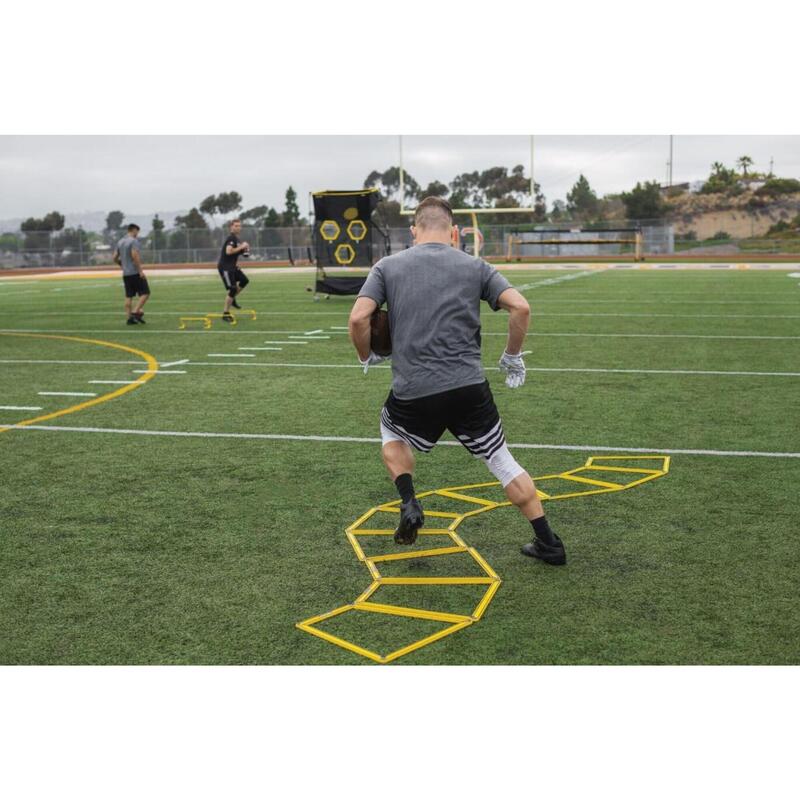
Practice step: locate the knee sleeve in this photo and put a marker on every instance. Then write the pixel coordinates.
(243, 281)
(503, 466)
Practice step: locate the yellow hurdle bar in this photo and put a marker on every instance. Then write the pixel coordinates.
(219, 316)
(183, 320)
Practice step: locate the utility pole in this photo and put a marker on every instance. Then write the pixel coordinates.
(402, 177)
(669, 178)
(771, 160)
(533, 184)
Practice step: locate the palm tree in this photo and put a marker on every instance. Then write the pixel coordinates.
(717, 167)
(744, 162)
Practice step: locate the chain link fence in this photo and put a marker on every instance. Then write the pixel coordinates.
(78, 248)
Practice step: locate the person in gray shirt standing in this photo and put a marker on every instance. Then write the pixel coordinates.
(433, 292)
(128, 256)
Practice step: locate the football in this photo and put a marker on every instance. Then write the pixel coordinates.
(380, 338)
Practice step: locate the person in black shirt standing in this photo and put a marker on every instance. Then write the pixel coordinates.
(234, 279)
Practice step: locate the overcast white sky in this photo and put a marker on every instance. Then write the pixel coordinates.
(141, 174)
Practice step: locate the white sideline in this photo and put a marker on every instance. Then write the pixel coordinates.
(597, 449)
(304, 340)
(731, 373)
(386, 366)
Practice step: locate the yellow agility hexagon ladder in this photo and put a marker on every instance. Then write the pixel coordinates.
(624, 477)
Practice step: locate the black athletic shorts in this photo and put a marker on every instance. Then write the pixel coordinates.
(469, 413)
(135, 284)
(230, 277)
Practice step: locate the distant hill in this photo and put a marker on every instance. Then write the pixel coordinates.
(742, 216)
(96, 220)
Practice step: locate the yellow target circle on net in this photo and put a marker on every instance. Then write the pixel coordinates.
(344, 254)
(350, 213)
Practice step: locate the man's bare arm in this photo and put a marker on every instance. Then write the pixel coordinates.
(519, 316)
(359, 327)
(117, 259)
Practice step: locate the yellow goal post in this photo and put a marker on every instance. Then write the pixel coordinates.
(473, 213)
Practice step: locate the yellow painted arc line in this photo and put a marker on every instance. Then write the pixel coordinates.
(152, 366)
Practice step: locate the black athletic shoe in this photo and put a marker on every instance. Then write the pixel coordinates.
(549, 553)
(235, 304)
(411, 520)
(227, 317)
(140, 317)
(131, 321)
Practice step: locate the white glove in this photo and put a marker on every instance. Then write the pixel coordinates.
(372, 359)
(514, 368)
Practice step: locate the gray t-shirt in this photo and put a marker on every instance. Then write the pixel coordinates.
(433, 292)
(125, 246)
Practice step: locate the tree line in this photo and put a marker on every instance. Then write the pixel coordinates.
(495, 187)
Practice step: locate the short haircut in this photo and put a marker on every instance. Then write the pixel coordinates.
(133, 227)
(433, 212)
(233, 222)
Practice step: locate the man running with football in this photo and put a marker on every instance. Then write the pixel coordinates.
(433, 292)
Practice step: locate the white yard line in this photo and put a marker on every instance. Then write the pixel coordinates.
(119, 383)
(597, 449)
(311, 333)
(724, 373)
(159, 371)
(21, 408)
(261, 348)
(553, 281)
(306, 336)
(295, 342)
(174, 363)
(68, 394)
(229, 355)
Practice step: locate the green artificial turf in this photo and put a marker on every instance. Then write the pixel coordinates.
(140, 549)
